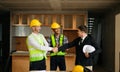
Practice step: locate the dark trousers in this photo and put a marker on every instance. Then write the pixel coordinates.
(38, 65)
(57, 61)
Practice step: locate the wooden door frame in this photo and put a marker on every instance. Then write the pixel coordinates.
(117, 41)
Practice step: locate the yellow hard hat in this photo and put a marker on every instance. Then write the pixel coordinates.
(55, 25)
(35, 22)
(78, 68)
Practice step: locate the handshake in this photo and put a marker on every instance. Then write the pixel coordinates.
(55, 49)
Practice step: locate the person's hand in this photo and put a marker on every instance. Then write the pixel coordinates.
(87, 55)
(55, 50)
(67, 49)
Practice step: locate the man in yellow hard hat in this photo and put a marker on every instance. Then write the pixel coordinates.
(37, 46)
(55, 40)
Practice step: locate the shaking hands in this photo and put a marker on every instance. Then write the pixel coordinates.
(55, 49)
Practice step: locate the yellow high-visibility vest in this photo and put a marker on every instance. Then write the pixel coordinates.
(61, 39)
(35, 54)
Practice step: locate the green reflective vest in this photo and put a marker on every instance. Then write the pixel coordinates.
(35, 54)
(61, 39)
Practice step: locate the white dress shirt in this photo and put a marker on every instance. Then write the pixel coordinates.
(84, 37)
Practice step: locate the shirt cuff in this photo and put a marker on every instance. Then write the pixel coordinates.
(50, 48)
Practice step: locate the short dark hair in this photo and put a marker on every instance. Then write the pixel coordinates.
(83, 28)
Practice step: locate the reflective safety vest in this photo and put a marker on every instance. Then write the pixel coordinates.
(35, 54)
(53, 41)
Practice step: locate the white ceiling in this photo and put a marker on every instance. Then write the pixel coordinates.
(59, 5)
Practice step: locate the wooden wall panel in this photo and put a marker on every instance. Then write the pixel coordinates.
(71, 35)
(20, 44)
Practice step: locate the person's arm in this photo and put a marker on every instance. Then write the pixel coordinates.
(97, 48)
(36, 44)
(67, 45)
(45, 42)
(91, 41)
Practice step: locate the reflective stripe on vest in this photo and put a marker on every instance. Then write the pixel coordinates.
(35, 54)
(61, 39)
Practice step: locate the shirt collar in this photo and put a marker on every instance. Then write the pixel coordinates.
(35, 34)
(84, 37)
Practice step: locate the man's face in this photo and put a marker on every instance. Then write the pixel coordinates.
(56, 31)
(79, 33)
(36, 29)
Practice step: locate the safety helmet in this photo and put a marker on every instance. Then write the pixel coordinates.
(55, 25)
(78, 68)
(88, 48)
(35, 22)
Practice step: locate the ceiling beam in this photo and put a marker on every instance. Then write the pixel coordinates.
(55, 4)
(58, 2)
(23, 1)
(49, 12)
(90, 1)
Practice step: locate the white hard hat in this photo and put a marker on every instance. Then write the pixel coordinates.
(88, 49)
